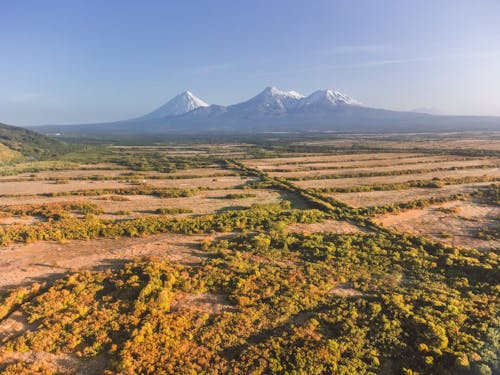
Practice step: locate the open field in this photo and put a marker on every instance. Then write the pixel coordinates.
(24, 263)
(359, 181)
(441, 165)
(454, 223)
(51, 187)
(169, 259)
(353, 163)
(377, 198)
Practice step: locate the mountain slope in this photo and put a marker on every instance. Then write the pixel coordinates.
(28, 143)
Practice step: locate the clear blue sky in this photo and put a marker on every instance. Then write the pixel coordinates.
(94, 60)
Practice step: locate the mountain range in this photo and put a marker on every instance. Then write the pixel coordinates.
(274, 110)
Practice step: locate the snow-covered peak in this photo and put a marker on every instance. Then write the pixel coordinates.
(182, 103)
(275, 92)
(328, 97)
(270, 100)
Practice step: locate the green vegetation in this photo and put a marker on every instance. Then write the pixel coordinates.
(257, 217)
(52, 211)
(312, 304)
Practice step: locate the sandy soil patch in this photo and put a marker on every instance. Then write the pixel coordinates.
(28, 220)
(345, 289)
(347, 182)
(204, 302)
(453, 223)
(26, 263)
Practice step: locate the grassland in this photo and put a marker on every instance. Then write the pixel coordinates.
(333, 256)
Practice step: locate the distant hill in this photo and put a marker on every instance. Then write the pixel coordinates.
(16, 142)
(274, 110)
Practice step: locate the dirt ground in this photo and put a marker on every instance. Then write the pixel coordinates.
(453, 223)
(45, 260)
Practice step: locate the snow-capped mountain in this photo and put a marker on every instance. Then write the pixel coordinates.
(274, 110)
(327, 98)
(271, 100)
(182, 103)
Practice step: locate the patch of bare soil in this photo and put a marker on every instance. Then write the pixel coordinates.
(14, 325)
(26, 263)
(332, 226)
(204, 302)
(345, 289)
(29, 220)
(453, 223)
(56, 363)
(63, 364)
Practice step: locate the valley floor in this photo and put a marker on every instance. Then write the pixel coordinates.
(333, 256)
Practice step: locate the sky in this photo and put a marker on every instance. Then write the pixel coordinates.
(82, 61)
